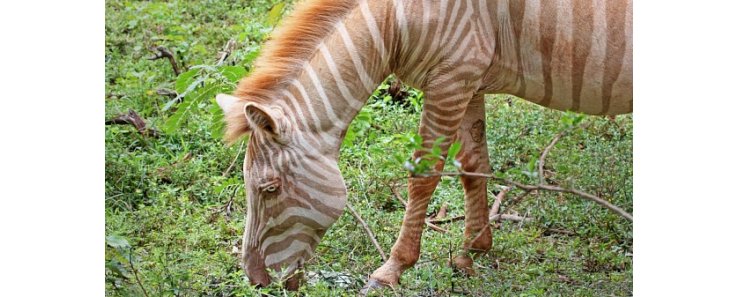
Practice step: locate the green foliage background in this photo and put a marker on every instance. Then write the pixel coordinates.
(174, 211)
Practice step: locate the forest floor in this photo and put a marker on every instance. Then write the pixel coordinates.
(175, 198)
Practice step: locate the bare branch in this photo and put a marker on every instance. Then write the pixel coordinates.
(547, 151)
(161, 52)
(497, 202)
(447, 220)
(551, 145)
(133, 119)
(591, 197)
(442, 213)
(367, 230)
(226, 52)
(508, 217)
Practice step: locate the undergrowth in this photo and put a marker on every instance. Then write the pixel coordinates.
(175, 202)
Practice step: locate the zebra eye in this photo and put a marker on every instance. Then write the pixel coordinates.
(271, 189)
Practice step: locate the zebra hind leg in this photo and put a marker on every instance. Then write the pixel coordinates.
(474, 158)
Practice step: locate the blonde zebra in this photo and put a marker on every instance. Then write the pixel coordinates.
(324, 61)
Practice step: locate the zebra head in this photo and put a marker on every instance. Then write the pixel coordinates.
(294, 192)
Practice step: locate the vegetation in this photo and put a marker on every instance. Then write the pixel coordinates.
(175, 198)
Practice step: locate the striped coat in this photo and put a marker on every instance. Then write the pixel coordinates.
(324, 61)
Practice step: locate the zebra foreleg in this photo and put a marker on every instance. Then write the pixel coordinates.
(474, 158)
(442, 115)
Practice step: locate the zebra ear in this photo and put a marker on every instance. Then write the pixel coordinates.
(265, 118)
(226, 102)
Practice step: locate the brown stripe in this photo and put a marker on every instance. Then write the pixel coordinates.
(615, 49)
(280, 246)
(315, 202)
(289, 222)
(548, 26)
(516, 17)
(583, 27)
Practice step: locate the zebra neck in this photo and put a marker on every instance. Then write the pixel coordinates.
(335, 83)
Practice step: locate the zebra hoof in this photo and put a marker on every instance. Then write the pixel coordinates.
(371, 286)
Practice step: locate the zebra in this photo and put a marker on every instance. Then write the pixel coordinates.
(323, 62)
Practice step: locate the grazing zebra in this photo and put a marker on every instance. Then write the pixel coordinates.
(324, 61)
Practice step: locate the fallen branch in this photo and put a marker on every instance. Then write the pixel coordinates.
(508, 217)
(161, 52)
(493, 218)
(132, 118)
(367, 230)
(547, 151)
(442, 213)
(551, 145)
(226, 52)
(591, 197)
(497, 202)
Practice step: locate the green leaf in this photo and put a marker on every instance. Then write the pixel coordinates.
(453, 150)
(436, 151)
(217, 120)
(184, 80)
(116, 268)
(174, 121)
(183, 94)
(233, 73)
(273, 17)
(117, 242)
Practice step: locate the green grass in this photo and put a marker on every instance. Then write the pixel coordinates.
(168, 195)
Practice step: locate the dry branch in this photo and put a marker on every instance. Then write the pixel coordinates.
(367, 230)
(132, 118)
(161, 52)
(550, 146)
(547, 151)
(552, 188)
(442, 213)
(226, 52)
(508, 217)
(497, 202)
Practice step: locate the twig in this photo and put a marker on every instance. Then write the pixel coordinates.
(231, 166)
(398, 196)
(442, 213)
(435, 227)
(591, 197)
(367, 230)
(162, 52)
(551, 145)
(497, 202)
(132, 118)
(547, 151)
(508, 217)
(228, 48)
(447, 220)
(136, 275)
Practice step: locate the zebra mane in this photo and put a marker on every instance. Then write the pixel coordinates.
(293, 42)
